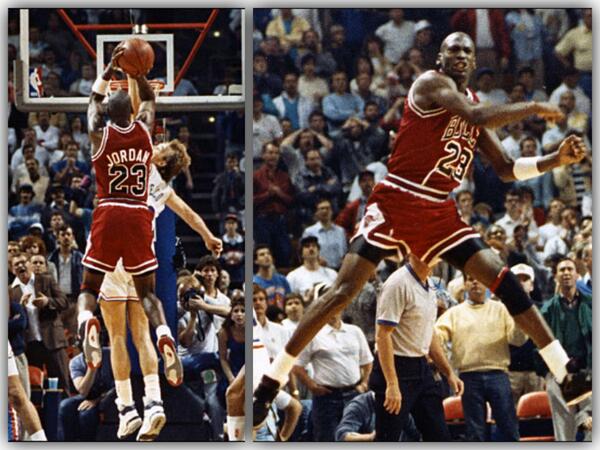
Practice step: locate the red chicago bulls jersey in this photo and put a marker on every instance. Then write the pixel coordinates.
(122, 163)
(433, 149)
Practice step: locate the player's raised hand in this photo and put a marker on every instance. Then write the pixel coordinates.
(571, 150)
(549, 111)
(215, 245)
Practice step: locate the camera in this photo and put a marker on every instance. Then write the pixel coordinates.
(188, 295)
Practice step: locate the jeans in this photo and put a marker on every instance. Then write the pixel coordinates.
(194, 366)
(421, 398)
(492, 387)
(74, 425)
(327, 411)
(273, 231)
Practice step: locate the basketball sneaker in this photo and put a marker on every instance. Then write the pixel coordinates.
(576, 387)
(154, 420)
(263, 396)
(172, 363)
(129, 420)
(90, 342)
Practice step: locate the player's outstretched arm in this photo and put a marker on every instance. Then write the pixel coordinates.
(435, 90)
(147, 109)
(99, 90)
(571, 150)
(195, 222)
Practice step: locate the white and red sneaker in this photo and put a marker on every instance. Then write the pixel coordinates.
(171, 361)
(92, 348)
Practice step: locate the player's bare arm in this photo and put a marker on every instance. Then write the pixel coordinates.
(434, 90)
(182, 209)
(571, 150)
(147, 109)
(95, 112)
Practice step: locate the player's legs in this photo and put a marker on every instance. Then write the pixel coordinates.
(357, 267)
(480, 262)
(114, 313)
(140, 333)
(25, 409)
(154, 414)
(144, 286)
(89, 326)
(234, 401)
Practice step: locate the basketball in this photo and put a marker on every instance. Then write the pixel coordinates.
(138, 57)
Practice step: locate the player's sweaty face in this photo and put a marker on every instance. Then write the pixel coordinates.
(457, 57)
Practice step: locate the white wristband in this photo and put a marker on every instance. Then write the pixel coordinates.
(100, 86)
(526, 168)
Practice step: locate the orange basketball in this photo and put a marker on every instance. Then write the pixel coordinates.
(138, 57)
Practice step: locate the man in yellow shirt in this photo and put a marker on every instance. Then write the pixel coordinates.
(288, 28)
(578, 42)
(480, 331)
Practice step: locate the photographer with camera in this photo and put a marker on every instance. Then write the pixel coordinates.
(198, 344)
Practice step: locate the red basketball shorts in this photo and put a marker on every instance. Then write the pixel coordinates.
(121, 231)
(398, 219)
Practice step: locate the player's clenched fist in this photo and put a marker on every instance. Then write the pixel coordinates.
(572, 150)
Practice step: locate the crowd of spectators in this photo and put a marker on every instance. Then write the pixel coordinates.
(329, 92)
(52, 196)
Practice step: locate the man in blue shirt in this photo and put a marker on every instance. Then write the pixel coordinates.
(79, 416)
(268, 278)
(340, 105)
(291, 105)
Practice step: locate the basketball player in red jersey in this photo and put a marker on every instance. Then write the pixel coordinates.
(409, 210)
(122, 225)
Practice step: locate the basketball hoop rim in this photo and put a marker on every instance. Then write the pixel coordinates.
(115, 85)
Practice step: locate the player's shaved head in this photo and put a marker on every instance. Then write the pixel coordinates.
(452, 37)
(119, 107)
(456, 58)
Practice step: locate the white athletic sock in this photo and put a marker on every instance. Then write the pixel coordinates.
(163, 330)
(281, 367)
(556, 358)
(39, 435)
(83, 316)
(152, 387)
(235, 428)
(124, 393)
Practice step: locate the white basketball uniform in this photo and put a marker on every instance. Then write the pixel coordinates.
(118, 285)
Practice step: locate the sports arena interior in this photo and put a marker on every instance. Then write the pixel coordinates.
(51, 199)
(348, 72)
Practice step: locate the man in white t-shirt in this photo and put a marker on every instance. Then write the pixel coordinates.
(397, 34)
(311, 271)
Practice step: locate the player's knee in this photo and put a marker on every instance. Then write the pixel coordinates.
(508, 289)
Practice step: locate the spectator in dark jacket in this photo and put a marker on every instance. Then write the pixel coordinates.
(228, 192)
(67, 260)
(314, 181)
(44, 301)
(232, 256)
(273, 197)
